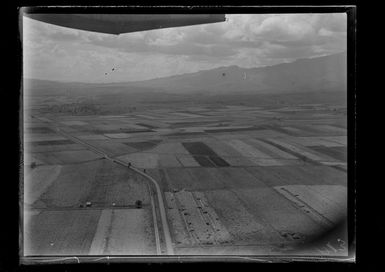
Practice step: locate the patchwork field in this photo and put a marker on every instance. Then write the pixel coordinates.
(235, 180)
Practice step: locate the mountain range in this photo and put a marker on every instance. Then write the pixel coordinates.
(326, 73)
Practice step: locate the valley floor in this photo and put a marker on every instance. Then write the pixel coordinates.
(236, 180)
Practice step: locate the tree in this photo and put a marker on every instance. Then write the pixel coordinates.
(138, 204)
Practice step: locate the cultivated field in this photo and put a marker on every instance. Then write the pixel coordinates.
(236, 179)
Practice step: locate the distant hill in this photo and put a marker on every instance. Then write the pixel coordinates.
(303, 75)
(326, 74)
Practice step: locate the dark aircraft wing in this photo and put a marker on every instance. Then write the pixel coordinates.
(124, 23)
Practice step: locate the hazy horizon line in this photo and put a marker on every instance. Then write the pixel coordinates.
(134, 81)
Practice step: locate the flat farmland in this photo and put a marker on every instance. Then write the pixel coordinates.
(58, 221)
(236, 179)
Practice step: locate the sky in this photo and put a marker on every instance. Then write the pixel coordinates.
(247, 40)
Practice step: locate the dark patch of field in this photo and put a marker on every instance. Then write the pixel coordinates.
(52, 148)
(203, 161)
(192, 124)
(199, 148)
(146, 125)
(112, 131)
(218, 161)
(187, 134)
(337, 152)
(190, 179)
(230, 130)
(124, 131)
(204, 155)
(56, 142)
(236, 177)
(278, 129)
(298, 175)
(100, 182)
(42, 130)
(143, 145)
(61, 232)
(291, 152)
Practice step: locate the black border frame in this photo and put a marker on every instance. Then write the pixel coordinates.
(350, 9)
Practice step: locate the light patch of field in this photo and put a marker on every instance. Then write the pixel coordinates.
(298, 149)
(42, 137)
(235, 107)
(124, 232)
(142, 135)
(290, 109)
(113, 148)
(198, 109)
(264, 112)
(274, 150)
(166, 161)
(98, 245)
(332, 163)
(118, 135)
(189, 121)
(193, 129)
(243, 226)
(261, 133)
(227, 128)
(107, 126)
(30, 123)
(111, 116)
(187, 160)
(38, 180)
(170, 148)
(187, 115)
(67, 157)
(325, 203)
(277, 211)
(280, 156)
(180, 233)
(293, 129)
(44, 119)
(239, 161)
(92, 137)
(201, 221)
(74, 123)
(332, 129)
(343, 140)
(134, 126)
(141, 160)
(146, 116)
(163, 130)
(220, 233)
(314, 141)
(253, 154)
(153, 124)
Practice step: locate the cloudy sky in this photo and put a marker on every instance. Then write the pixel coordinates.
(57, 53)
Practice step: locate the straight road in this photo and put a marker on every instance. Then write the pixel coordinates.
(162, 210)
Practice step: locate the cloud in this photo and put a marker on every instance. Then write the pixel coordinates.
(247, 40)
